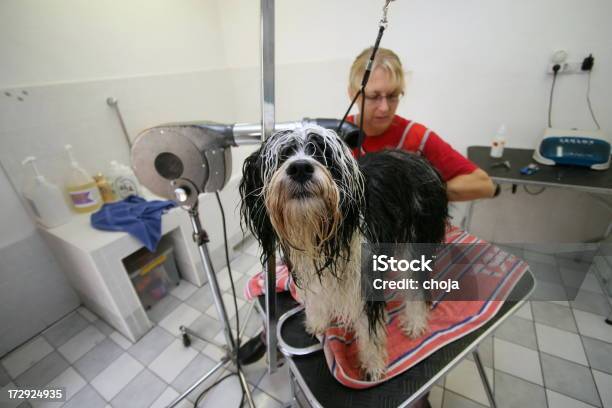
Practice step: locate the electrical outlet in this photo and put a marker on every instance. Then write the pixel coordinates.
(571, 67)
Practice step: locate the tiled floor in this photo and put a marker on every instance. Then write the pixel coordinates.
(554, 354)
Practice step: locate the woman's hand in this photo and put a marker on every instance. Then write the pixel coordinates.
(471, 186)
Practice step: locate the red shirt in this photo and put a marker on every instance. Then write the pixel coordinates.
(440, 154)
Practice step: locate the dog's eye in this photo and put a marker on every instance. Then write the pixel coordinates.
(310, 149)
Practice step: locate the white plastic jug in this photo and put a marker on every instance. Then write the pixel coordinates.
(45, 200)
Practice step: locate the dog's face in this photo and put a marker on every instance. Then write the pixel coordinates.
(304, 185)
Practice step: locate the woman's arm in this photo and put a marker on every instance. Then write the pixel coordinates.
(471, 186)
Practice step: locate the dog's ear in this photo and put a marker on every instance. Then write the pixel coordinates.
(254, 214)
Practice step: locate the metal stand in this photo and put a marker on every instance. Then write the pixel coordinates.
(485, 380)
(188, 196)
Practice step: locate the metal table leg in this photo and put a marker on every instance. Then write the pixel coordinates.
(485, 380)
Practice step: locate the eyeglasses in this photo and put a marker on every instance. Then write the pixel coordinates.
(378, 98)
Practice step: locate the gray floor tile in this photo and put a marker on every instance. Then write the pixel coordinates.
(65, 329)
(201, 299)
(591, 302)
(599, 354)
(24, 404)
(151, 345)
(548, 291)
(604, 386)
(519, 331)
(243, 312)
(44, 371)
(140, 392)
(254, 325)
(103, 327)
(86, 397)
(194, 371)
(532, 257)
(244, 263)
(569, 378)
(97, 359)
(452, 400)
(206, 326)
(4, 377)
(163, 308)
(485, 350)
(255, 372)
(573, 276)
(553, 315)
(512, 392)
(545, 272)
(240, 285)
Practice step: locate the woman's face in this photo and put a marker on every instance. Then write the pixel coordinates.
(381, 101)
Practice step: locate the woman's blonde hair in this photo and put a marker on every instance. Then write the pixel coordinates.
(386, 59)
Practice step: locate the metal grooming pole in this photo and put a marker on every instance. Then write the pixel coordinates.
(187, 193)
(267, 126)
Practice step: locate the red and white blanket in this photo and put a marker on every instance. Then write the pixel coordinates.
(449, 320)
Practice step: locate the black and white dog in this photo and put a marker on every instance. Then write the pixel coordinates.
(304, 191)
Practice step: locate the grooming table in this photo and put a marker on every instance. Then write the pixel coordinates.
(314, 386)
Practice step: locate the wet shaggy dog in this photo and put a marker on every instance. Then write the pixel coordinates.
(305, 194)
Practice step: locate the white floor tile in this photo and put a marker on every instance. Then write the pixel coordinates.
(593, 325)
(591, 283)
(465, 380)
(224, 280)
(169, 364)
(165, 399)
(116, 376)
(87, 314)
(183, 315)
(228, 300)
(561, 343)
(70, 380)
(277, 384)
(80, 344)
(525, 311)
(120, 340)
(556, 400)
(604, 386)
(518, 361)
(184, 290)
(435, 397)
(263, 400)
(26, 356)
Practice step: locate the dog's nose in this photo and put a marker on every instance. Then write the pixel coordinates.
(300, 171)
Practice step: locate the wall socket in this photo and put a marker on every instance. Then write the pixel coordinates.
(570, 67)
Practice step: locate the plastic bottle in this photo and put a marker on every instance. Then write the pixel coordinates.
(82, 189)
(106, 190)
(123, 180)
(45, 199)
(499, 142)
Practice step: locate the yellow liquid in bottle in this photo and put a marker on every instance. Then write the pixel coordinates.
(85, 197)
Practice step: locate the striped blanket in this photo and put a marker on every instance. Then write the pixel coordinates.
(449, 320)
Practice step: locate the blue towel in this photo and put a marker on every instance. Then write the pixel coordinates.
(134, 215)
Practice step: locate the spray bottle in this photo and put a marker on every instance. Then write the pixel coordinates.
(499, 142)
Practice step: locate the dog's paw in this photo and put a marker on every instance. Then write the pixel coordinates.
(414, 326)
(314, 330)
(374, 373)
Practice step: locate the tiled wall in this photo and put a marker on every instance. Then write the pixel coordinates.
(33, 291)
